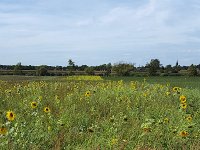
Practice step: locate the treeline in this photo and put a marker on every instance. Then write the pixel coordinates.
(153, 68)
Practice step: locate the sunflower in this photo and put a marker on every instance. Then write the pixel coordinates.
(10, 115)
(147, 129)
(166, 120)
(46, 110)
(189, 118)
(175, 89)
(87, 94)
(183, 133)
(183, 105)
(3, 131)
(33, 104)
(182, 99)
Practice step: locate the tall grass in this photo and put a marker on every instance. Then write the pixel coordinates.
(98, 114)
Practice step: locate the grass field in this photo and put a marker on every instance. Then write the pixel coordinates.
(93, 113)
(182, 81)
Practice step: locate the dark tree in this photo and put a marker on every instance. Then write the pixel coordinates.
(153, 66)
(18, 69)
(192, 70)
(123, 69)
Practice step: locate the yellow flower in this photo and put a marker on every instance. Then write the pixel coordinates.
(46, 110)
(87, 94)
(166, 120)
(183, 105)
(3, 131)
(145, 94)
(175, 89)
(40, 98)
(10, 115)
(147, 129)
(168, 93)
(114, 141)
(33, 104)
(183, 133)
(189, 118)
(182, 99)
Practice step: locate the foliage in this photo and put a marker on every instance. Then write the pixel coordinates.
(18, 69)
(123, 69)
(42, 71)
(77, 114)
(89, 70)
(192, 70)
(153, 66)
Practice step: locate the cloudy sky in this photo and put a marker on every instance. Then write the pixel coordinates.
(94, 32)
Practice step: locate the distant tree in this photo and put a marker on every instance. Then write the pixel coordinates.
(71, 63)
(89, 70)
(153, 66)
(108, 69)
(42, 70)
(18, 69)
(168, 68)
(83, 67)
(71, 67)
(192, 70)
(123, 69)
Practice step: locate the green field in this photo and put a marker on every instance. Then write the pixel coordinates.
(93, 113)
(182, 81)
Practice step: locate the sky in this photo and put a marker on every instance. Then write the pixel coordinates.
(94, 32)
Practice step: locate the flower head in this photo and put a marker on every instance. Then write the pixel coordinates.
(189, 118)
(182, 99)
(33, 104)
(3, 131)
(166, 120)
(183, 133)
(183, 105)
(87, 94)
(168, 93)
(46, 109)
(146, 129)
(175, 89)
(10, 115)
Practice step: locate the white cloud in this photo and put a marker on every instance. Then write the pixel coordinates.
(149, 29)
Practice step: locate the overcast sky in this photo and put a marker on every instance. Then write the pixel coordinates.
(94, 32)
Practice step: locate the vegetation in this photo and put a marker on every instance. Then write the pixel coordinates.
(123, 69)
(87, 112)
(153, 68)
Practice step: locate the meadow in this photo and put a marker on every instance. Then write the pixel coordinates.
(95, 113)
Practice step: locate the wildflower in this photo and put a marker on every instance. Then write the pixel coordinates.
(147, 129)
(183, 133)
(145, 94)
(87, 94)
(33, 104)
(40, 98)
(3, 131)
(175, 89)
(46, 110)
(114, 141)
(183, 105)
(182, 99)
(90, 129)
(10, 115)
(166, 120)
(189, 118)
(167, 93)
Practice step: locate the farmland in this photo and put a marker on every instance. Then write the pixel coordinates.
(83, 113)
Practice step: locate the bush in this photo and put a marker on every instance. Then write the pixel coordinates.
(123, 69)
